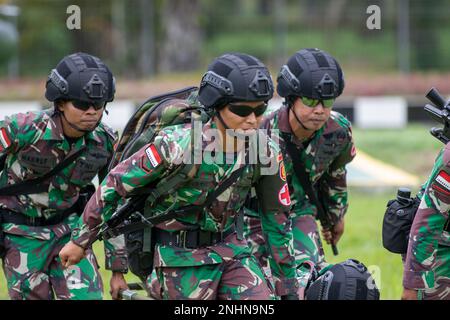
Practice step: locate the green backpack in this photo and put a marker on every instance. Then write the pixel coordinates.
(156, 113)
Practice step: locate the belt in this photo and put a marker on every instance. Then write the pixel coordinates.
(191, 239)
(21, 219)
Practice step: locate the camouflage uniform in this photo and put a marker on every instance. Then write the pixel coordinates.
(34, 143)
(427, 264)
(324, 157)
(226, 269)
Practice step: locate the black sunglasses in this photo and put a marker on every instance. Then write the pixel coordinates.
(244, 111)
(85, 105)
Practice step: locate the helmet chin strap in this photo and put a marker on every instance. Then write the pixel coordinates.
(236, 135)
(298, 120)
(78, 128)
(221, 120)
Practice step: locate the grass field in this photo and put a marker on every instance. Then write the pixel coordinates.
(412, 149)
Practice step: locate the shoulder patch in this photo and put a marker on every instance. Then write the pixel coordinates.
(284, 196)
(153, 155)
(5, 142)
(282, 171)
(442, 183)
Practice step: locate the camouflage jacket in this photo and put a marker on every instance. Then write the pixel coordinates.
(324, 159)
(34, 143)
(157, 160)
(430, 227)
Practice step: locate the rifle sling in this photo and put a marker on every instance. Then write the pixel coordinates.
(302, 175)
(306, 183)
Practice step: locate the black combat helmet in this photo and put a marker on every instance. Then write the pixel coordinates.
(348, 280)
(80, 76)
(311, 73)
(235, 77)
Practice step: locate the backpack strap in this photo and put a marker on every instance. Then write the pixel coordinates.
(35, 185)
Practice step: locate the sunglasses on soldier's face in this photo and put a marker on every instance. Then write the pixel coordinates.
(244, 110)
(85, 105)
(327, 103)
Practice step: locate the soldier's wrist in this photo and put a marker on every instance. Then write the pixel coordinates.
(78, 245)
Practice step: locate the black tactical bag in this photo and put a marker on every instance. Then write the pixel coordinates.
(397, 221)
(348, 280)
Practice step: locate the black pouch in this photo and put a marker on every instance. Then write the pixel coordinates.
(85, 194)
(140, 260)
(397, 221)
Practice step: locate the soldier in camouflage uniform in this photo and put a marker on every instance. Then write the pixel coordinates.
(309, 82)
(36, 224)
(202, 255)
(427, 265)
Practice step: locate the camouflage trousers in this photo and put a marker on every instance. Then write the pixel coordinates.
(308, 247)
(237, 279)
(307, 242)
(33, 269)
(441, 270)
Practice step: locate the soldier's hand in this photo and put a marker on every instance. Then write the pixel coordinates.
(334, 235)
(117, 283)
(409, 294)
(71, 254)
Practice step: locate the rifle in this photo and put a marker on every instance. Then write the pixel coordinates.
(440, 112)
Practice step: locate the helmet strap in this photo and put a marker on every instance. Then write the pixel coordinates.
(298, 120)
(221, 120)
(78, 128)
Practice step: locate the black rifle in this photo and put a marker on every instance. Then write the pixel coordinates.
(440, 112)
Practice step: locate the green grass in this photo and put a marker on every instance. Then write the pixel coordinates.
(362, 241)
(412, 149)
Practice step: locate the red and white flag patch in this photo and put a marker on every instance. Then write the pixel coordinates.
(279, 158)
(5, 142)
(283, 195)
(442, 182)
(153, 155)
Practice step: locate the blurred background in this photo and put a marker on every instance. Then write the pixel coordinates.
(153, 46)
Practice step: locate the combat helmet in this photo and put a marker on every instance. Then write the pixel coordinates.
(80, 76)
(235, 77)
(348, 280)
(311, 73)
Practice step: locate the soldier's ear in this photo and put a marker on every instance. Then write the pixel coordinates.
(59, 105)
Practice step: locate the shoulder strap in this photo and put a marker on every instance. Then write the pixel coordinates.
(306, 183)
(35, 185)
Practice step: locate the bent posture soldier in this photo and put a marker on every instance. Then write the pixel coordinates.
(321, 140)
(426, 274)
(202, 254)
(49, 157)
